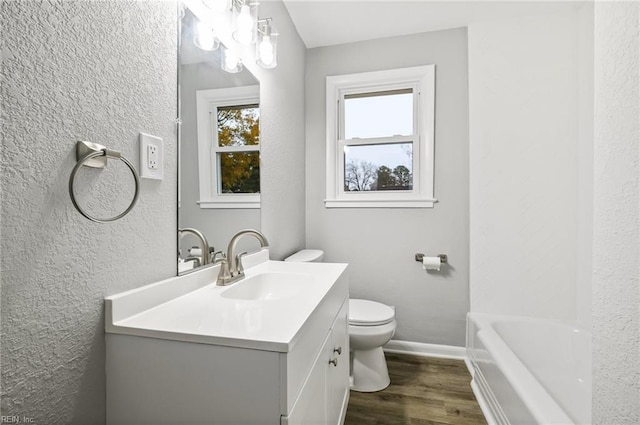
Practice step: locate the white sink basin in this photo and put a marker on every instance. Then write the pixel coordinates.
(267, 287)
(263, 311)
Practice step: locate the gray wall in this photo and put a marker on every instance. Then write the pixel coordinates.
(282, 144)
(97, 71)
(218, 225)
(379, 244)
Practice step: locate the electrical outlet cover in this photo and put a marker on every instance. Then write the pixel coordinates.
(151, 157)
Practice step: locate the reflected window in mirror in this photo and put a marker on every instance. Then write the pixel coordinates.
(237, 150)
(229, 147)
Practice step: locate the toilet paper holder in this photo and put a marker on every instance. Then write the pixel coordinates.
(443, 258)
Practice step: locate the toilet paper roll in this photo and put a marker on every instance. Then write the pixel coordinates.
(195, 252)
(431, 263)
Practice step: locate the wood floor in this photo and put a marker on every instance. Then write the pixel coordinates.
(423, 390)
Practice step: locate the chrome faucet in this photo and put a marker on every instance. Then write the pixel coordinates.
(231, 269)
(203, 242)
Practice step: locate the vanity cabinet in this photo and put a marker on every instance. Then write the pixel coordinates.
(159, 377)
(337, 386)
(324, 396)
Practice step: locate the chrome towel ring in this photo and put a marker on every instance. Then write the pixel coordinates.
(94, 155)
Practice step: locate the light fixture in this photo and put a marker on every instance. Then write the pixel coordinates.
(217, 5)
(246, 29)
(231, 61)
(205, 38)
(245, 21)
(267, 45)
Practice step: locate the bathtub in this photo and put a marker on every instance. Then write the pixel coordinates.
(529, 371)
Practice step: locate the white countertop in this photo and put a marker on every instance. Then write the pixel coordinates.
(190, 308)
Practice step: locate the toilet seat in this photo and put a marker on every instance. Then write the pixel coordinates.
(306, 256)
(369, 313)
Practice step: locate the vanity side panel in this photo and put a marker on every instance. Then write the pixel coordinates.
(311, 404)
(157, 382)
(307, 343)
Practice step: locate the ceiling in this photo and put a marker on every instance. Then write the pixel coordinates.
(329, 22)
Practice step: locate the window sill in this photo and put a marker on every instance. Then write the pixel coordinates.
(228, 205)
(407, 203)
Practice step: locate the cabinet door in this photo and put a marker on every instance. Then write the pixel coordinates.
(338, 369)
(311, 406)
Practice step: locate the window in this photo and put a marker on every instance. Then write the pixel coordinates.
(228, 123)
(380, 139)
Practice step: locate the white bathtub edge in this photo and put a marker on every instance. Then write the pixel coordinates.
(490, 407)
(484, 406)
(426, 350)
(469, 364)
(497, 367)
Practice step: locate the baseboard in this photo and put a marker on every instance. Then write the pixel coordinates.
(427, 350)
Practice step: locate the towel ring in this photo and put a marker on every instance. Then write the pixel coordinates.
(96, 156)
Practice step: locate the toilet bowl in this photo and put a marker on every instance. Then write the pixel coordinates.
(371, 325)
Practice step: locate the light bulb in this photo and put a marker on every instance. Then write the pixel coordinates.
(267, 46)
(231, 62)
(266, 50)
(205, 38)
(245, 21)
(245, 24)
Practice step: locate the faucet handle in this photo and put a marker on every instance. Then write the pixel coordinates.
(214, 257)
(239, 262)
(196, 261)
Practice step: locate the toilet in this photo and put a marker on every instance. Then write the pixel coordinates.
(371, 325)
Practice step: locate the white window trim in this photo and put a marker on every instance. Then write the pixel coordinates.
(420, 77)
(208, 142)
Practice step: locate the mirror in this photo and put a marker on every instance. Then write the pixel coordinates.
(219, 166)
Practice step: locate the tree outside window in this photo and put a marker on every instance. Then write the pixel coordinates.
(228, 123)
(239, 126)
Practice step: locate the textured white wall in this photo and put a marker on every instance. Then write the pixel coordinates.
(616, 247)
(379, 244)
(530, 179)
(99, 71)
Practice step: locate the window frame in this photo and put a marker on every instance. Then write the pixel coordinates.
(422, 80)
(207, 103)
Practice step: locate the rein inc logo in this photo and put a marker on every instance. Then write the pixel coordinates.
(16, 420)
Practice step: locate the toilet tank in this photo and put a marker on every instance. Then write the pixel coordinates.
(306, 256)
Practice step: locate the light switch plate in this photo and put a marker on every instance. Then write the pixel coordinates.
(151, 157)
